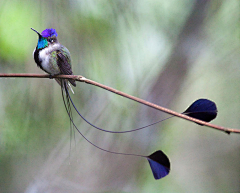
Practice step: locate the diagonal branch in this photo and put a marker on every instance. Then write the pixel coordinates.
(152, 105)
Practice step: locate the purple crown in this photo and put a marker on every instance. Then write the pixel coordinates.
(49, 33)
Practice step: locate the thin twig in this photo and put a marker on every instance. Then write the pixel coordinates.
(152, 105)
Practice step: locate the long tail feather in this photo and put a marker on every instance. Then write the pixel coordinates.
(159, 162)
(128, 131)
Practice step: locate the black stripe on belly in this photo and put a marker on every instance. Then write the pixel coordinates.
(36, 58)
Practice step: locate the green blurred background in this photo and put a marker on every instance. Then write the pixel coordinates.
(168, 52)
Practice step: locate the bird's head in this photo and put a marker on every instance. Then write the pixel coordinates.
(46, 38)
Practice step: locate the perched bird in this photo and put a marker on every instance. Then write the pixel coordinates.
(52, 57)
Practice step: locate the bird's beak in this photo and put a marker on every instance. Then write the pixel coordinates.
(36, 32)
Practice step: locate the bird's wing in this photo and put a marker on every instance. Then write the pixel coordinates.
(64, 63)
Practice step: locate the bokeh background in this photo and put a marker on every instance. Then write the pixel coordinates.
(168, 52)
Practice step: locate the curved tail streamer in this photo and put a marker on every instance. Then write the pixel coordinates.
(202, 109)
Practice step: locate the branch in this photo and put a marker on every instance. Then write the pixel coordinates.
(157, 107)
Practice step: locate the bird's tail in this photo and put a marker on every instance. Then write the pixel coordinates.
(64, 84)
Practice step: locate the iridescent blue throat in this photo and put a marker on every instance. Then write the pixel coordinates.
(42, 43)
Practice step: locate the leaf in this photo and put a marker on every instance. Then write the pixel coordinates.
(202, 109)
(160, 164)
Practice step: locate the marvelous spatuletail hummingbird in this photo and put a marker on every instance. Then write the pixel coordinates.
(52, 57)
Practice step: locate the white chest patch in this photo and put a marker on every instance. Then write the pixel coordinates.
(45, 57)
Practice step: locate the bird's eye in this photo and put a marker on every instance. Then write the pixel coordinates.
(51, 40)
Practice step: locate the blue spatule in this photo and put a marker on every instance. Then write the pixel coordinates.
(160, 164)
(202, 109)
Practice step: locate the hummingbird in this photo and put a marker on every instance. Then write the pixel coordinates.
(52, 57)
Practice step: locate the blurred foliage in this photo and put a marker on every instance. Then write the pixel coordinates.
(14, 47)
(128, 45)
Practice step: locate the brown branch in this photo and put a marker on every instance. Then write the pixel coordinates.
(83, 79)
